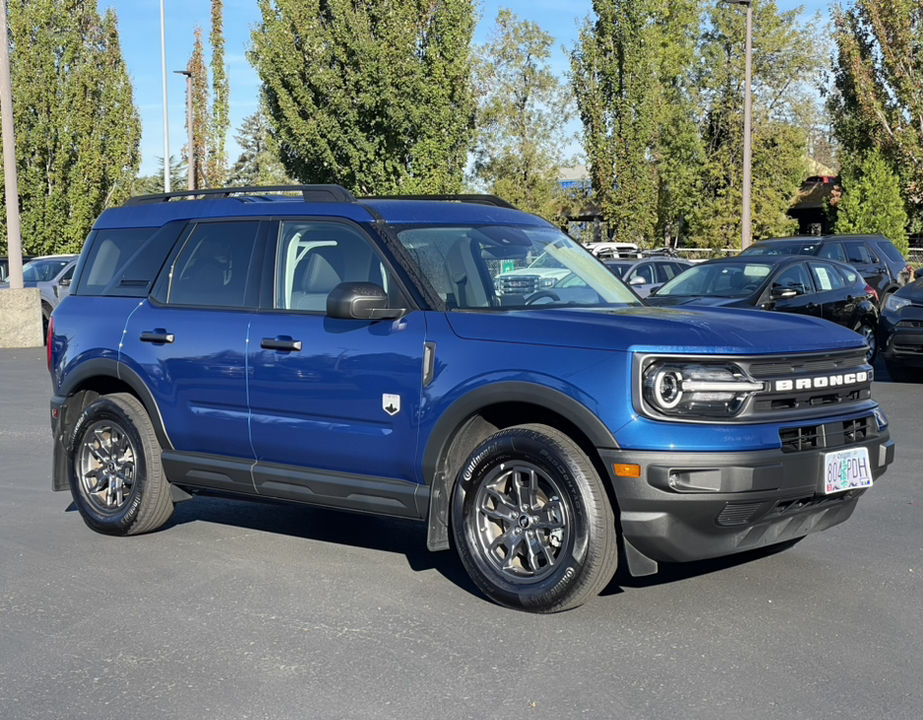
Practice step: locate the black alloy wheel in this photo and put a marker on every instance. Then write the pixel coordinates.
(532, 522)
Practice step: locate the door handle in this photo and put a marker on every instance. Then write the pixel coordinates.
(280, 343)
(157, 336)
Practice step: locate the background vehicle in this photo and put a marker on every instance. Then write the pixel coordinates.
(784, 283)
(5, 267)
(540, 274)
(645, 275)
(874, 256)
(604, 250)
(52, 275)
(901, 333)
(355, 354)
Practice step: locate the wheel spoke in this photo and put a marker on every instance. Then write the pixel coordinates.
(537, 551)
(551, 516)
(503, 509)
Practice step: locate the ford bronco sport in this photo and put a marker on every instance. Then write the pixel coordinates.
(355, 354)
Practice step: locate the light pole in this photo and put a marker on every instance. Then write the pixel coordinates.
(166, 117)
(190, 152)
(748, 111)
(11, 182)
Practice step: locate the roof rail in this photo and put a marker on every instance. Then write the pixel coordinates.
(468, 198)
(310, 193)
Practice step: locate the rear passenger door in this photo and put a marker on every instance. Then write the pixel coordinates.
(335, 403)
(837, 304)
(188, 343)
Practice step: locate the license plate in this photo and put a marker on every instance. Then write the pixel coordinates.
(847, 470)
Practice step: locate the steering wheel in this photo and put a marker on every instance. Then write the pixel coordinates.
(542, 294)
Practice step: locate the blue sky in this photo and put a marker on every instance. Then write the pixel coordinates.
(139, 26)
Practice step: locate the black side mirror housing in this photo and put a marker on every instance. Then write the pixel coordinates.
(361, 301)
(782, 293)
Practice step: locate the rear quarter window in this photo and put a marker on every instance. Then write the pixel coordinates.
(126, 261)
(891, 252)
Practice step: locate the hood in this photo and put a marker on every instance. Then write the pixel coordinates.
(653, 329)
(912, 292)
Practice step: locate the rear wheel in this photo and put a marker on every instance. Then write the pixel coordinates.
(116, 476)
(531, 521)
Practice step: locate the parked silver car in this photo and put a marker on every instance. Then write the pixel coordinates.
(51, 274)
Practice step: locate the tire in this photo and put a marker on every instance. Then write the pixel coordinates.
(46, 320)
(532, 523)
(870, 334)
(116, 476)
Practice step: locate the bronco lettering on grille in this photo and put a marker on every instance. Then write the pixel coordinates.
(821, 382)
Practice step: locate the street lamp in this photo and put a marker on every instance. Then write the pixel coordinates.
(190, 160)
(166, 117)
(745, 215)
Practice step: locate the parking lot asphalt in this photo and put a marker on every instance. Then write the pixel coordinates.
(245, 610)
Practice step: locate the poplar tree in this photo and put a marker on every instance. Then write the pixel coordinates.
(615, 83)
(216, 165)
(77, 128)
(258, 162)
(877, 103)
(201, 118)
(375, 96)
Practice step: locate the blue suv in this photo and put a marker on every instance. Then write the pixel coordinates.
(357, 354)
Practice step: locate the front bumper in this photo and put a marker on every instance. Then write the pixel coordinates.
(900, 336)
(690, 506)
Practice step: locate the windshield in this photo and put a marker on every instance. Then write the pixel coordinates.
(781, 248)
(718, 280)
(42, 270)
(487, 266)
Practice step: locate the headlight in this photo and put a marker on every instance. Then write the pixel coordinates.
(548, 282)
(697, 389)
(895, 303)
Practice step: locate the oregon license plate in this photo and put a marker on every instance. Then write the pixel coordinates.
(846, 470)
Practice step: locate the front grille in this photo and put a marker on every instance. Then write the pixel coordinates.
(517, 284)
(808, 365)
(828, 435)
(739, 513)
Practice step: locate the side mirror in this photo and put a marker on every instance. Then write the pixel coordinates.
(637, 280)
(360, 301)
(782, 293)
(66, 282)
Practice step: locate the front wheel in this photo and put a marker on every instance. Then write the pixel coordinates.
(531, 521)
(870, 334)
(116, 476)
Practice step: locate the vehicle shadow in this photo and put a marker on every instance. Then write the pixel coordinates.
(371, 532)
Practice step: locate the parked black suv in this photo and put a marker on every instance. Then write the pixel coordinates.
(874, 256)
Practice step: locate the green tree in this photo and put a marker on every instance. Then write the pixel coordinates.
(871, 201)
(375, 96)
(522, 115)
(614, 78)
(877, 101)
(153, 184)
(785, 66)
(216, 163)
(258, 162)
(201, 117)
(77, 129)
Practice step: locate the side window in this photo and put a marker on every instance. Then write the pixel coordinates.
(892, 252)
(794, 277)
(213, 266)
(826, 277)
(314, 257)
(832, 251)
(643, 271)
(870, 249)
(857, 254)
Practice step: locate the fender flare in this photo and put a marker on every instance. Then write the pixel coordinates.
(454, 419)
(110, 368)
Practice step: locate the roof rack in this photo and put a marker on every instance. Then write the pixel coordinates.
(310, 193)
(468, 198)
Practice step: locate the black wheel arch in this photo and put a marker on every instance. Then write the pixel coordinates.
(484, 411)
(103, 376)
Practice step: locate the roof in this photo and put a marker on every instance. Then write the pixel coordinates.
(154, 211)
